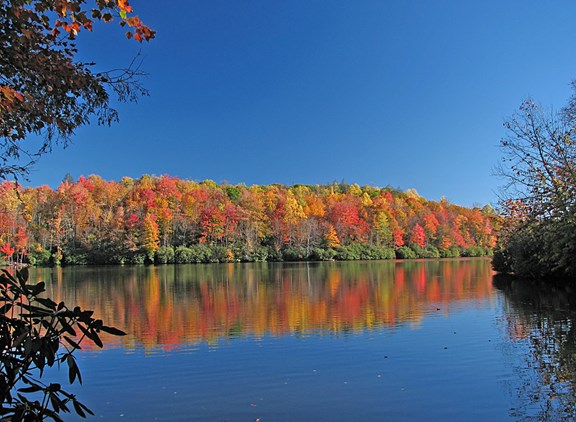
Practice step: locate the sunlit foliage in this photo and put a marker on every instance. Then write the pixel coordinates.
(171, 220)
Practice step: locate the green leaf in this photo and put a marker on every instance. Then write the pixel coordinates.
(78, 405)
(96, 339)
(92, 335)
(38, 288)
(123, 14)
(20, 338)
(66, 327)
(112, 330)
(73, 370)
(5, 308)
(32, 389)
(72, 342)
(78, 409)
(22, 275)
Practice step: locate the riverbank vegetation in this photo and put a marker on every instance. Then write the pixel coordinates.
(168, 220)
(539, 201)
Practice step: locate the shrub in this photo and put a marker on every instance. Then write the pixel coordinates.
(258, 254)
(501, 261)
(431, 252)
(445, 253)
(455, 250)
(164, 255)
(274, 255)
(473, 251)
(138, 258)
(183, 255)
(217, 254)
(405, 252)
(39, 257)
(261, 254)
(294, 253)
(373, 252)
(78, 258)
(320, 254)
(419, 251)
(347, 253)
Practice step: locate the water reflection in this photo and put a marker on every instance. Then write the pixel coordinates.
(171, 305)
(544, 317)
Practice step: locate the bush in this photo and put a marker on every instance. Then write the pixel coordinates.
(78, 258)
(405, 252)
(456, 252)
(294, 253)
(218, 254)
(261, 254)
(356, 251)
(183, 255)
(501, 261)
(373, 252)
(258, 254)
(319, 254)
(164, 255)
(537, 253)
(137, 258)
(348, 253)
(274, 255)
(473, 251)
(453, 252)
(39, 257)
(431, 252)
(55, 259)
(419, 251)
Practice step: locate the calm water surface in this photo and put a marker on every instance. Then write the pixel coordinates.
(354, 341)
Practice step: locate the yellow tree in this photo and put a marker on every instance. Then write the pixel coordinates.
(293, 216)
(150, 235)
(331, 237)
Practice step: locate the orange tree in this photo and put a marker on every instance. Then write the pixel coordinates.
(44, 88)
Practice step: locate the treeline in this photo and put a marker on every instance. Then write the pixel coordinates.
(168, 220)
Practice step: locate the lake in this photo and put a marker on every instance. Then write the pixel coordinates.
(332, 341)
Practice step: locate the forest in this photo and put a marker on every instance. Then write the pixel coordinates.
(163, 219)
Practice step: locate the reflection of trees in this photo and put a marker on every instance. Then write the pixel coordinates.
(170, 305)
(544, 317)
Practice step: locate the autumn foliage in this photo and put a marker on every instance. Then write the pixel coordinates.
(45, 88)
(165, 219)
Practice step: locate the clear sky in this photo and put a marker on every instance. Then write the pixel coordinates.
(410, 94)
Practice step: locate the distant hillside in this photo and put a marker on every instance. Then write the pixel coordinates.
(165, 219)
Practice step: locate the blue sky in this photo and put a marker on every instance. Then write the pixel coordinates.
(410, 94)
